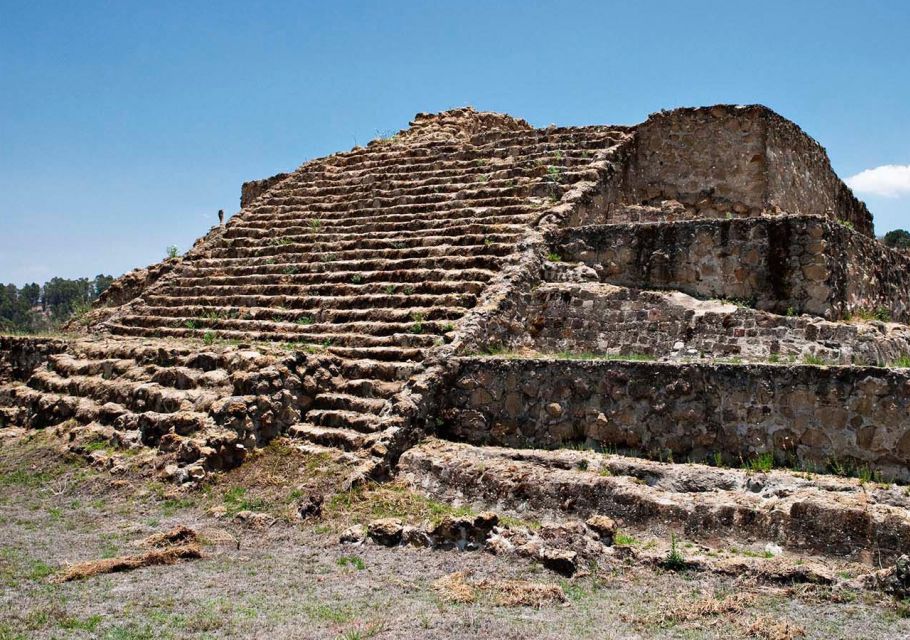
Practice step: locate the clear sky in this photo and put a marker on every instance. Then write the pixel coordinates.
(125, 125)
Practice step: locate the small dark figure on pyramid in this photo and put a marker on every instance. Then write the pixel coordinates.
(221, 217)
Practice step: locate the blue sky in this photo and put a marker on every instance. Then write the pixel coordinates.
(124, 126)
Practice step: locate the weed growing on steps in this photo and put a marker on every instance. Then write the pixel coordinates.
(389, 289)
(417, 327)
(554, 257)
(190, 324)
(763, 462)
(674, 560)
(408, 290)
(811, 358)
(356, 278)
(315, 225)
(172, 251)
(209, 338)
(304, 321)
(901, 363)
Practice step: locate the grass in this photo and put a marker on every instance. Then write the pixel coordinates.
(554, 257)
(763, 462)
(901, 363)
(625, 540)
(869, 314)
(812, 359)
(391, 500)
(236, 500)
(209, 338)
(352, 561)
(304, 321)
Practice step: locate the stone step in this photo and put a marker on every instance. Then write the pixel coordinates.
(287, 296)
(384, 279)
(371, 387)
(136, 396)
(320, 250)
(283, 332)
(392, 354)
(305, 317)
(348, 402)
(346, 419)
(328, 436)
(327, 252)
(387, 370)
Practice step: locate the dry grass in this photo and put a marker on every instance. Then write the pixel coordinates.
(768, 628)
(457, 588)
(179, 535)
(128, 563)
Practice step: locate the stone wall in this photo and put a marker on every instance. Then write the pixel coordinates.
(605, 319)
(21, 355)
(801, 180)
(722, 161)
(803, 414)
(803, 264)
(251, 190)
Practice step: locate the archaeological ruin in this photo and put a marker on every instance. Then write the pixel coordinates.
(612, 320)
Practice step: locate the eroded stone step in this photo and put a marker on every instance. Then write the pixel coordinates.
(329, 436)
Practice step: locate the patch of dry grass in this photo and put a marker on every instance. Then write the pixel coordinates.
(91, 568)
(457, 588)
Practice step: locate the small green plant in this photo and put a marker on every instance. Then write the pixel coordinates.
(352, 561)
(190, 324)
(290, 270)
(315, 225)
(902, 363)
(773, 358)
(417, 327)
(408, 290)
(304, 320)
(718, 460)
(172, 251)
(847, 224)
(356, 278)
(487, 242)
(450, 326)
(624, 540)
(389, 289)
(763, 462)
(209, 338)
(791, 312)
(554, 257)
(674, 560)
(812, 359)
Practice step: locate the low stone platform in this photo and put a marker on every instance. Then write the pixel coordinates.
(598, 318)
(831, 516)
(810, 416)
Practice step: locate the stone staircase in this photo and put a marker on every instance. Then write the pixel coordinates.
(369, 258)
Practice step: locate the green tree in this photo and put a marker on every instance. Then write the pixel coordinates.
(897, 239)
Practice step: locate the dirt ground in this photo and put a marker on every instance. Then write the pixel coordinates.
(292, 579)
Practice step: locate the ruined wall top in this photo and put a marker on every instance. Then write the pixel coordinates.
(459, 125)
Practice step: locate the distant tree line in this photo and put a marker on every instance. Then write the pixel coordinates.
(897, 239)
(35, 308)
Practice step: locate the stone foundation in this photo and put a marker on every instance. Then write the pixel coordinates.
(605, 319)
(797, 264)
(805, 415)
